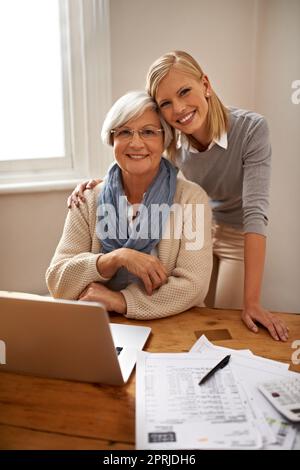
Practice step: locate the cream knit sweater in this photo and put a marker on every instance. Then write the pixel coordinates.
(73, 266)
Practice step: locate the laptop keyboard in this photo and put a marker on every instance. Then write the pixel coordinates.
(118, 350)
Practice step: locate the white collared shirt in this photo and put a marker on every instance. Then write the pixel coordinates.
(183, 141)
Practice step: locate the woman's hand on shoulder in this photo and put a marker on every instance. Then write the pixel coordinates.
(256, 313)
(147, 267)
(77, 195)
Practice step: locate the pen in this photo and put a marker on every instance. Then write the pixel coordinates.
(220, 365)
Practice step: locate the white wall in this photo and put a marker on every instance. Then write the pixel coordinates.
(278, 65)
(249, 50)
(218, 33)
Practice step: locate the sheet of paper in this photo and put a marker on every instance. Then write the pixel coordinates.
(285, 433)
(250, 371)
(206, 348)
(174, 412)
(203, 344)
(296, 445)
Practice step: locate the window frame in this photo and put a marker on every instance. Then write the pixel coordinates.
(86, 70)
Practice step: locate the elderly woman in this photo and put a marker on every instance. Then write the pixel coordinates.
(135, 245)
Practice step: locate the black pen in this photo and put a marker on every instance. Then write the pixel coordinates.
(220, 365)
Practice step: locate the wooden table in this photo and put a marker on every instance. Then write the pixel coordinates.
(38, 413)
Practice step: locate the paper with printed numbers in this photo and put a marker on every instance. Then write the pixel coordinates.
(277, 432)
(174, 412)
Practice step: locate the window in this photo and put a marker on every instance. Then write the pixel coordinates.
(54, 89)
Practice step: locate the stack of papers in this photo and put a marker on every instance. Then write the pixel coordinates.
(226, 412)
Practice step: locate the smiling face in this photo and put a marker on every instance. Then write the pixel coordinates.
(139, 157)
(182, 99)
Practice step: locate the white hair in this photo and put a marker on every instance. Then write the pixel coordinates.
(131, 105)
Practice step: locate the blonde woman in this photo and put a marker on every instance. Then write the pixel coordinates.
(135, 244)
(227, 152)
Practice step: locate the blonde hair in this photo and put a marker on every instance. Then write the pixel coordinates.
(217, 117)
(131, 105)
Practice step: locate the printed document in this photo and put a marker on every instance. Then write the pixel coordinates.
(250, 371)
(174, 412)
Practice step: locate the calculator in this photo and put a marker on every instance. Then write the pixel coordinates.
(284, 395)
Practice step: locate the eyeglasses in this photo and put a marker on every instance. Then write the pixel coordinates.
(147, 133)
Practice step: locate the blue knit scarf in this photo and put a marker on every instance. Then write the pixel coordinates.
(114, 230)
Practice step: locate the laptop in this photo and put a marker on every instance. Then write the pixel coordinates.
(66, 339)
